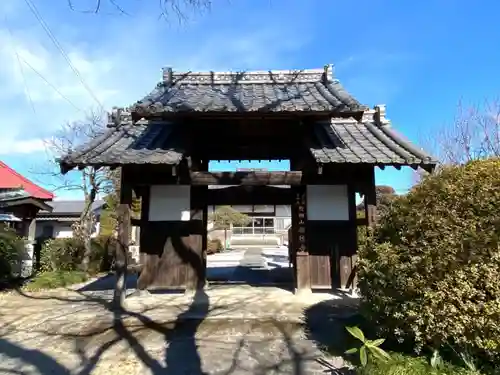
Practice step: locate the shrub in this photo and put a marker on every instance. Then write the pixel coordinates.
(66, 254)
(430, 273)
(55, 279)
(214, 246)
(108, 250)
(11, 250)
(406, 365)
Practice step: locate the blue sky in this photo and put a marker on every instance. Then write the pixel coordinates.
(418, 58)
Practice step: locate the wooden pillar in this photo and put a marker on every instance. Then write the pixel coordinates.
(121, 260)
(371, 200)
(348, 256)
(299, 240)
(197, 268)
(144, 278)
(29, 245)
(204, 167)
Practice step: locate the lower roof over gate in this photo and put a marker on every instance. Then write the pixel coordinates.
(334, 141)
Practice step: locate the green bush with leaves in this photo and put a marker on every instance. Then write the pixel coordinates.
(430, 274)
(66, 254)
(409, 365)
(11, 250)
(369, 348)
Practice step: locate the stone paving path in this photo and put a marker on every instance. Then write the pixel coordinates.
(240, 266)
(244, 330)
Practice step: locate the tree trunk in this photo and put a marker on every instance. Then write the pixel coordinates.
(122, 246)
(86, 221)
(121, 255)
(87, 242)
(225, 239)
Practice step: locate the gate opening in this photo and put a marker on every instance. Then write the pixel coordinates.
(253, 233)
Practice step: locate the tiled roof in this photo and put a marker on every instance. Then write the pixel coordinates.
(340, 140)
(9, 217)
(313, 90)
(10, 179)
(15, 196)
(70, 218)
(65, 208)
(144, 142)
(350, 141)
(11, 193)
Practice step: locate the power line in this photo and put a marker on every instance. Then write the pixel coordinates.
(56, 43)
(50, 84)
(18, 58)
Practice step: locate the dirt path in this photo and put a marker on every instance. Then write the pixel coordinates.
(236, 331)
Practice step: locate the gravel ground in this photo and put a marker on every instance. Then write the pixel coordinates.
(239, 330)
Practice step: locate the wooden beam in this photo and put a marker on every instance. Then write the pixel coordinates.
(246, 178)
(301, 174)
(370, 200)
(235, 195)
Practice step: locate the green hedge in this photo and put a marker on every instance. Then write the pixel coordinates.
(430, 275)
(66, 254)
(11, 250)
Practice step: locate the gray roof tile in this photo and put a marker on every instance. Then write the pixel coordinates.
(69, 207)
(350, 141)
(12, 194)
(145, 142)
(343, 140)
(312, 90)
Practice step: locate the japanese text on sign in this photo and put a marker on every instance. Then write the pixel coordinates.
(301, 215)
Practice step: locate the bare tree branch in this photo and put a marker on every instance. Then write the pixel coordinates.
(474, 134)
(89, 181)
(167, 8)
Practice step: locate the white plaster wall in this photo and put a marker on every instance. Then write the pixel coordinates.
(327, 202)
(283, 210)
(63, 230)
(288, 222)
(170, 203)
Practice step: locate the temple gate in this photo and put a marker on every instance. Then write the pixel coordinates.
(164, 142)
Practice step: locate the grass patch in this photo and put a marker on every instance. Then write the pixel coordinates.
(55, 279)
(407, 365)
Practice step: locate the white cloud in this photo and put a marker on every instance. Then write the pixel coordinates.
(29, 65)
(40, 90)
(28, 146)
(120, 65)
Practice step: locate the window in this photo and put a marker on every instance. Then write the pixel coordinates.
(258, 222)
(258, 226)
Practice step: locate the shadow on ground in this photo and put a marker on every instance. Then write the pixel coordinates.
(326, 322)
(135, 341)
(281, 277)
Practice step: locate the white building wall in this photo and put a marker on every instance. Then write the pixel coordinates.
(327, 202)
(170, 203)
(283, 210)
(61, 229)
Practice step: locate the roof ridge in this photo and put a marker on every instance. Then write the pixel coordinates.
(324, 75)
(24, 179)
